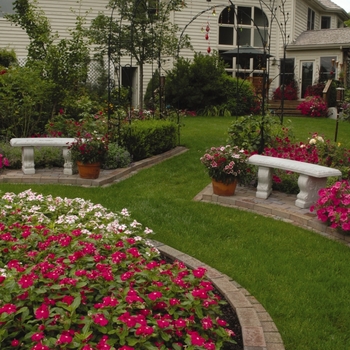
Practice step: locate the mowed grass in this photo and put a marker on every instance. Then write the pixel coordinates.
(300, 277)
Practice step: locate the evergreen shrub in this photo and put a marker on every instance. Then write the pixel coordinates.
(147, 138)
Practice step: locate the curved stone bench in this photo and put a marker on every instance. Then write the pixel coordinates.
(28, 144)
(312, 177)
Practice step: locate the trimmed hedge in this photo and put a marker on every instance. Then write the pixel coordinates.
(147, 138)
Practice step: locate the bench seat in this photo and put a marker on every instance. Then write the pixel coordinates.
(312, 177)
(28, 144)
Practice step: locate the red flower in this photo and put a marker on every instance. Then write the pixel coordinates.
(37, 336)
(100, 319)
(155, 295)
(8, 308)
(15, 342)
(196, 339)
(42, 312)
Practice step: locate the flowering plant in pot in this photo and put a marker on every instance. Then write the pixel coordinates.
(225, 165)
(89, 149)
(76, 276)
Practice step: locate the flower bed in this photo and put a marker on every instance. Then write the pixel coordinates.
(76, 276)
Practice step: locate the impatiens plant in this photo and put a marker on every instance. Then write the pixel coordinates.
(3, 161)
(77, 276)
(333, 206)
(313, 106)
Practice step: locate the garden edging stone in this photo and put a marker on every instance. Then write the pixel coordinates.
(258, 329)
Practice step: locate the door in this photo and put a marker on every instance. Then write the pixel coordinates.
(307, 76)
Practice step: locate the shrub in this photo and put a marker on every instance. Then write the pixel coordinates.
(290, 92)
(23, 106)
(240, 98)
(196, 85)
(77, 276)
(117, 157)
(315, 90)
(7, 57)
(254, 133)
(313, 106)
(147, 138)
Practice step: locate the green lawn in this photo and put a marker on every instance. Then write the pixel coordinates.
(300, 277)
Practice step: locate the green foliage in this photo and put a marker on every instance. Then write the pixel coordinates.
(196, 85)
(146, 138)
(239, 96)
(117, 157)
(204, 86)
(24, 107)
(152, 92)
(62, 62)
(44, 157)
(7, 57)
(254, 133)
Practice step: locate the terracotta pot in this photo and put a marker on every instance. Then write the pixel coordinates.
(89, 170)
(222, 189)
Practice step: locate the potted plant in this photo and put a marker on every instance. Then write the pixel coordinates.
(89, 152)
(225, 165)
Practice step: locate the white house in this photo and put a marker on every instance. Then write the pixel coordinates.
(309, 34)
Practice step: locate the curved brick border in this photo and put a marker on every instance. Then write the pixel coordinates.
(258, 329)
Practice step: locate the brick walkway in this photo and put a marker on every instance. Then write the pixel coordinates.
(258, 329)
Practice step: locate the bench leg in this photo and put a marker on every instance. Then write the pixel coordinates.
(264, 188)
(28, 166)
(309, 187)
(68, 164)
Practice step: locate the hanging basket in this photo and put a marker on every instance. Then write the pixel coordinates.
(89, 170)
(222, 189)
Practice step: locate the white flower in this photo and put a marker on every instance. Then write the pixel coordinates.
(312, 142)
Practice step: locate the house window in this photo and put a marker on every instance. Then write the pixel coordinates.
(325, 22)
(240, 26)
(6, 7)
(310, 19)
(327, 68)
(287, 71)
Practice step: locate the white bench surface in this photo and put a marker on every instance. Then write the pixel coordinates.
(299, 167)
(41, 141)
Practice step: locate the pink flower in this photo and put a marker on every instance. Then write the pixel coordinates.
(42, 312)
(14, 342)
(196, 339)
(8, 308)
(100, 319)
(155, 295)
(37, 336)
(199, 272)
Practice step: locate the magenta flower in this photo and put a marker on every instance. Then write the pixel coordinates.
(42, 312)
(100, 319)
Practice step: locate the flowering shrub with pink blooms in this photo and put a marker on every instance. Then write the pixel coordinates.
(313, 106)
(77, 276)
(333, 206)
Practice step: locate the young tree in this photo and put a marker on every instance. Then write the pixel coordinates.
(140, 28)
(63, 62)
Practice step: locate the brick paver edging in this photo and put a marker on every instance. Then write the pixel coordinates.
(258, 329)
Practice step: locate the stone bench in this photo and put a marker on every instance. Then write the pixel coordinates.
(312, 177)
(28, 144)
